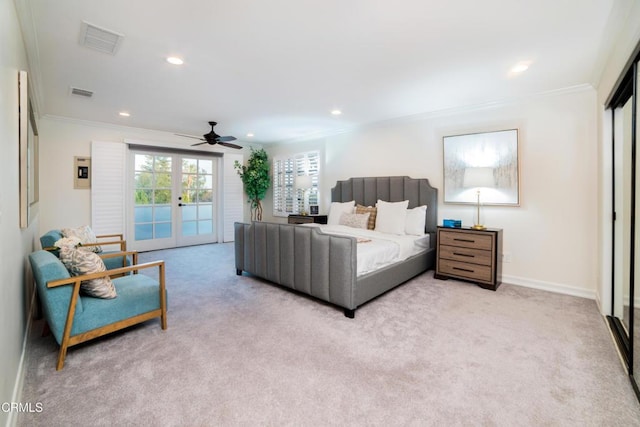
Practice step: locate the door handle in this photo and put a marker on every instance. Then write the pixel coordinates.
(180, 204)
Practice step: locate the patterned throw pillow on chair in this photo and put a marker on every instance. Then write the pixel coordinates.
(80, 262)
(85, 234)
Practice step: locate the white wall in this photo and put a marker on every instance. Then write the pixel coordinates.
(15, 244)
(551, 236)
(61, 140)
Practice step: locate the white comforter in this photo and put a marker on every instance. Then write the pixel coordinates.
(377, 250)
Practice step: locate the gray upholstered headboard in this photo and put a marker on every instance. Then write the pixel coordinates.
(367, 191)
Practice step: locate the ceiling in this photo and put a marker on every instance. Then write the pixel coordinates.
(278, 68)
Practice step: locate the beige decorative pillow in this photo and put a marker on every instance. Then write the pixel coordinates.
(80, 262)
(372, 211)
(85, 234)
(337, 209)
(354, 220)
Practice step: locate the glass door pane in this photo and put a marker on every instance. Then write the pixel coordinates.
(153, 191)
(197, 201)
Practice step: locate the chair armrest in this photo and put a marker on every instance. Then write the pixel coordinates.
(133, 254)
(122, 243)
(114, 272)
(103, 236)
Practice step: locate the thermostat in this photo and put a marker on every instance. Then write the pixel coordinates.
(82, 171)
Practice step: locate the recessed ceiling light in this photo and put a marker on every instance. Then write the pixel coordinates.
(175, 60)
(520, 67)
(124, 114)
(336, 112)
(249, 135)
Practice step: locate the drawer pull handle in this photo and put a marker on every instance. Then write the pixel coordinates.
(467, 255)
(464, 269)
(465, 240)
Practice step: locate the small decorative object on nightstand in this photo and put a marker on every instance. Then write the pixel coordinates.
(307, 219)
(468, 254)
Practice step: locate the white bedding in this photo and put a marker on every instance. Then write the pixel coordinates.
(377, 250)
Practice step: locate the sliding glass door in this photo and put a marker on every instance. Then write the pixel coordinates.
(624, 318)
(174, 200)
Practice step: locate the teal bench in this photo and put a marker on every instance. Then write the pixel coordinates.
(74, 318)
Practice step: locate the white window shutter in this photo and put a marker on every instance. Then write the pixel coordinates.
(233, 200)
(287, 199)
(108, 184)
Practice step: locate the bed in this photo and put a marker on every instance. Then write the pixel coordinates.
(324, 265)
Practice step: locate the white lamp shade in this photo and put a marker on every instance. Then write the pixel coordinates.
(478, 177)
(304, 182)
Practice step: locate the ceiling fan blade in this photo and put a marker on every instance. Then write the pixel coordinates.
(199, 143)
(225, 138)
(189, 136)
(228, 144)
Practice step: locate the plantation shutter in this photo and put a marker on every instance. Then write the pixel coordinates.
(108, 183)
(287, 199)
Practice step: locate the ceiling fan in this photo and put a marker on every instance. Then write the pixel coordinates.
(213, 138)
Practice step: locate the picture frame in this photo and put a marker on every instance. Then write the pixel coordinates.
(314, 209)
(482, 164)
(28, 154)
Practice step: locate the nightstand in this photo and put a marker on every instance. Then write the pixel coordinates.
(472, 255)
(307, 219)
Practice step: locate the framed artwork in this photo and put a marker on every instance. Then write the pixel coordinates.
(484, 166)
(28, 154)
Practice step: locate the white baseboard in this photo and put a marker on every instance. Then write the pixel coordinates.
(550, 286)
(20, 374)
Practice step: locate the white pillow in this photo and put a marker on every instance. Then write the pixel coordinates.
(85, 234)
(337, 209)
(416, 217)
(354, 220)
(391, 217)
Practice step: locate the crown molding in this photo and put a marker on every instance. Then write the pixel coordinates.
(444, 112)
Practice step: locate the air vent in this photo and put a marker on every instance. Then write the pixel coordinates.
(81, 92)
(100, 39)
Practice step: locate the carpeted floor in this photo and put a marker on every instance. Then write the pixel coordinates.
(241, 352)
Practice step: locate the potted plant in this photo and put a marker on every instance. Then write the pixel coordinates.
(256, 180)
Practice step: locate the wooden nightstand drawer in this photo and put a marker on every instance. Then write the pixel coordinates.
(475, 256)
(466, 240)
(465, 270)
(468, 254)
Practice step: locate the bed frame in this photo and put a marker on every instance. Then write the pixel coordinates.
(324, 266)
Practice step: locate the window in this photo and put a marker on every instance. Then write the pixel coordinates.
(287, 197)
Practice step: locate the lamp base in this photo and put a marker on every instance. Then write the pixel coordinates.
(478, 227)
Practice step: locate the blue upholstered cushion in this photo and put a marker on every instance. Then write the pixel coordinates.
(47, 267)
(137, 294)
(50, 238)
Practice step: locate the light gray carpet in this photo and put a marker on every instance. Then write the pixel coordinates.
(241, 352)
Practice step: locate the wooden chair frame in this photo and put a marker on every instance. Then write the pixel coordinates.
(68, 340)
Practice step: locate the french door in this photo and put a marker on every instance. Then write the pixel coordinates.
(174, 200)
